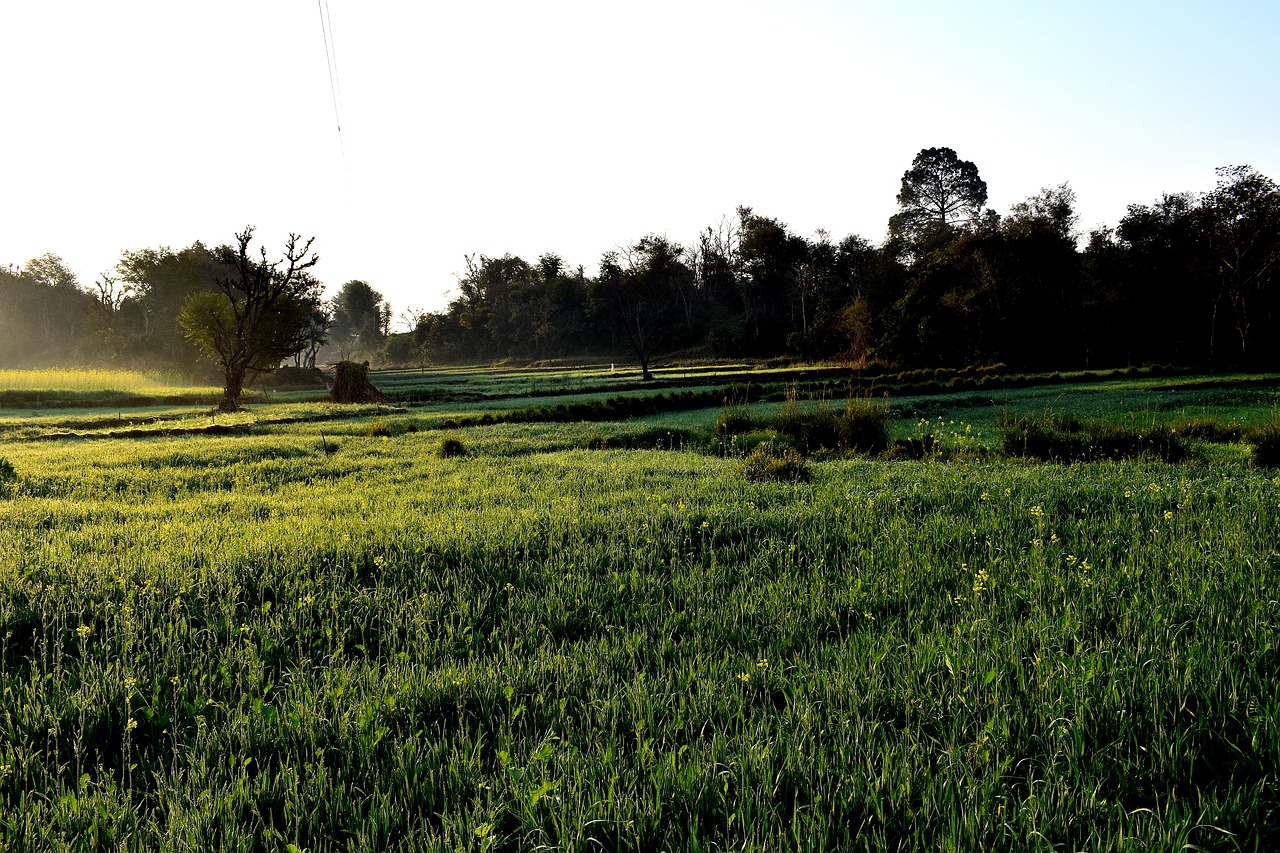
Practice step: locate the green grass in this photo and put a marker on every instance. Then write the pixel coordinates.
(89, 388)
(270, 639)
(97, 380)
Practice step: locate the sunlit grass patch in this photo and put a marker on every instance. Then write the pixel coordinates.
(128, 381)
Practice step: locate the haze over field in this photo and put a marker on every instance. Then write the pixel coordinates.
(573, 128)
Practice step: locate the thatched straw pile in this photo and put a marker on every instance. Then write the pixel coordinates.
(351, 384)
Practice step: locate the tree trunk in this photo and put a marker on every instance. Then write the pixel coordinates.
(233, 387)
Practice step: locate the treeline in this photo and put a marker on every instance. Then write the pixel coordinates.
(1188, 280)
(129, 316)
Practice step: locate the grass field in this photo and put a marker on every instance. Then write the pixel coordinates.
(320, 633)
(81, 388)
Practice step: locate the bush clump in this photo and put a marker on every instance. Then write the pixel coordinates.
(659, 438)
(1266, 445)
(923, 446)
(602, 442)
(381, 428)
(1071, 439)
(451, 447)
(739, 393)
(8, 478)
(861, 427)
(775, 462)
(734, 421)
(1207, 429)
(865, 426)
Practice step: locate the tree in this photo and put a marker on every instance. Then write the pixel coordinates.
(767, 259)
(43, 313)
(1028, 275)
(156, 284)
(940, 192)
(359, 315)
(642, 291)
(52, 272)
(1167, 306)
(1240, 221)
(1051, 210)
(320, 321)
(262, 315)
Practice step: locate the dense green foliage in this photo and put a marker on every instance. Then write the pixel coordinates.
(282, 638)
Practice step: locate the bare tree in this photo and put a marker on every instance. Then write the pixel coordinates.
(261, 316)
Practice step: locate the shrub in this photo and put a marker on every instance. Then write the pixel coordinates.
(737, 393)
(917, 447)
(812, 430)
(1207, 429)
(8, 479)
(733, 422)
(1266, 445)
(451, 447)
(381, 428)
(775, 461)
(660, 438)
(865, 426)
(1053, 437)
(777, 442)
(602, 442)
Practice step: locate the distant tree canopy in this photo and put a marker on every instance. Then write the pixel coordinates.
(44, 314)
(156, 284)
(642, 290)
(1189, 279)
(361, 320)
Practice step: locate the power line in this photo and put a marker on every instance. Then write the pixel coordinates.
(330, 57)
(332, 45)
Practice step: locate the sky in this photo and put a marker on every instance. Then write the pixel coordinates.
(509, 126)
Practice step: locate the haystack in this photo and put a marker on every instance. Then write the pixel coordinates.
(351, 384)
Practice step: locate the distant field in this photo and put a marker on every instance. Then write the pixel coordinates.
(97, 380)
(321, 630)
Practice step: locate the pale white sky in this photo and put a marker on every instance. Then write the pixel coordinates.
(497, 126)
